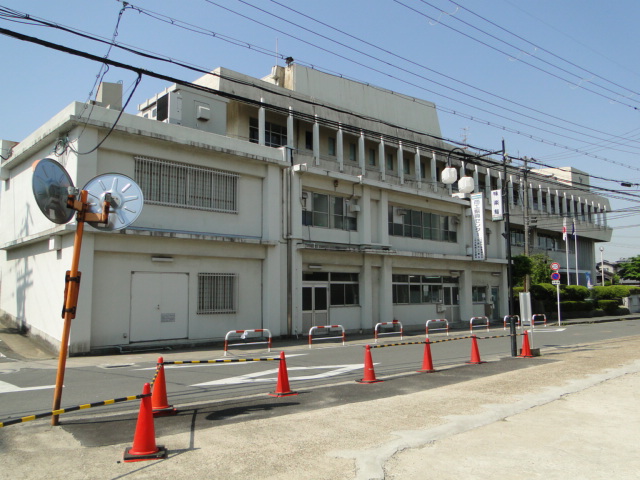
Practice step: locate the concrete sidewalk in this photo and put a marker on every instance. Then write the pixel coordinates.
(576, 415)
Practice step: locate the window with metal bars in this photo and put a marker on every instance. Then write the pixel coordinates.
(217, 293)
(179, 185)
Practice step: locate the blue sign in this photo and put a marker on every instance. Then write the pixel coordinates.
(555, 276)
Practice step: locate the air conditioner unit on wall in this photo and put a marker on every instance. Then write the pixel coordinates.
(354, 208)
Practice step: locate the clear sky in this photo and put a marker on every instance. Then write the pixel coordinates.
(558, 81)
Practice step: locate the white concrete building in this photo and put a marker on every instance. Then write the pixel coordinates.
(280, 203)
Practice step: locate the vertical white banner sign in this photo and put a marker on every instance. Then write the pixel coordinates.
(477, 214)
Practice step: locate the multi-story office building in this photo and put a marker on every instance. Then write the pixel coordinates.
(280, 203)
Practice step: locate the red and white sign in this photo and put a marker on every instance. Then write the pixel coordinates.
(555, 266)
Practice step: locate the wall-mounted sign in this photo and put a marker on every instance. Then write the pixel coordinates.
(496, 205)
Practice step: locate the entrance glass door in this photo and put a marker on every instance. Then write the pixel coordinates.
(315, 306)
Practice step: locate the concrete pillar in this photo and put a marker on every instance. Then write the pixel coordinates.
(316, 141)
(400, 163)
(340, 148)
(290, 131)
(434, 172)
(261, 124)
(361, 162)
(383, 160)
(417, 167)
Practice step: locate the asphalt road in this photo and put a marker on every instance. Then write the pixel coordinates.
(26, 387)
(570, 412)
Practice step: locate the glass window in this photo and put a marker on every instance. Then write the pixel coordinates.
(352, 152)
(479, 294)
(328, 211)
(320, 210)
(331, 146)
(389, 162)
(372, 156)
(417, 289)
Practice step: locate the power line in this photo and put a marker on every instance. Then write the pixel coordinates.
(522, 61)
(532, 137)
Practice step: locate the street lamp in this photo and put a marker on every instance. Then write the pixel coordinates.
(602, 265)
(450, 175)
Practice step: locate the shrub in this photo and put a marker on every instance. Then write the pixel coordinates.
(576, 306)
(543, 291)
(575, 292)
(609, 306)
(610, 293)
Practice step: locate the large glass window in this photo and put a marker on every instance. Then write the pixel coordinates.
(344, 288)
(328, 211)
(416, 289)
(417, 224)
(274, 135)
(479, 294)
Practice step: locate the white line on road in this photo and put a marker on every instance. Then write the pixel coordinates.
(10, 388)
(334, 370)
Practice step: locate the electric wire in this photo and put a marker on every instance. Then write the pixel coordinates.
(441, 108)
(522, 61)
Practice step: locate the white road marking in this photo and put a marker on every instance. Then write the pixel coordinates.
(204, 364)
(333, 370)
(10, 388)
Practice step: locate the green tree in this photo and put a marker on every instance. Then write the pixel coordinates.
(630, 269)
(521, 265)
(540, 270)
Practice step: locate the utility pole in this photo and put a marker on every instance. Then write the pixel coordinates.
(527, 250)
(507, 226)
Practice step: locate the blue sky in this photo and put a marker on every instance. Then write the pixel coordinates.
(549, 77)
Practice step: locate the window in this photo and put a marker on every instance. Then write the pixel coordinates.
(328, 211)
(180, 185)
(417, 224)
(389, 162)
(479, 294)
(547, 242)
(406, 167)
(352, 152)
(372, 157)
(343, 289)
(517, 238)
(274, 135)
(417, 289)
(308, 140)
(216, 293)
(331, 146)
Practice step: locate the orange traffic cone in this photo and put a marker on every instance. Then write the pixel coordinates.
(159, 400)
(525, 352)
(475, 352)
(427, 362)
(282, 387)
(369, 373)
(144, 441)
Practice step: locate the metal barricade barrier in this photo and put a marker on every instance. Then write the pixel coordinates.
(479, 319)
(244, 334)
(394, 323)
(328, 327)
(541, 316)
(508, 317)
(437, 320)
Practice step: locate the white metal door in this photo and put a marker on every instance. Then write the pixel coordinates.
(159, 306)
